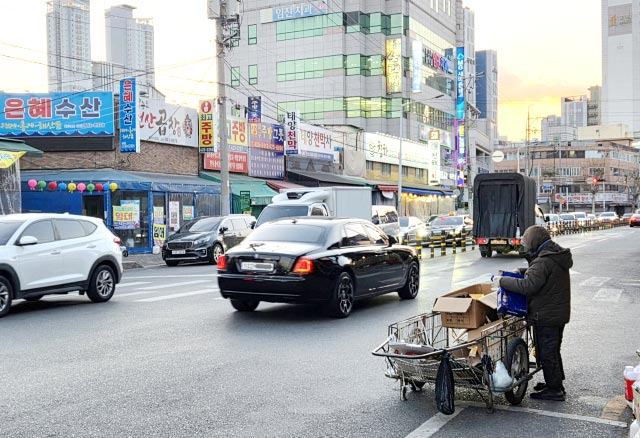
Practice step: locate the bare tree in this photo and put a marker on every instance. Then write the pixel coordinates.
(632, 181)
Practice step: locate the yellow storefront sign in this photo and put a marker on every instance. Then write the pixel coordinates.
(7, 158)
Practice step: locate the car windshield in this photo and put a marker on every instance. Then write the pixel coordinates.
(201, 225)
(607, 214)
(404, 221)
(7, 228)
(567, 217)
(580, 215)
(288, 232)
(447, 220)
(272, 212)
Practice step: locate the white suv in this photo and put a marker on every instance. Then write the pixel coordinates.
(43, 254)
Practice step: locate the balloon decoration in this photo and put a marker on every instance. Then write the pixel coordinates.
(53, 185)
(82, 187)
(113, 186)
(91, 187)
(32, 183)
(72, 186)
(62, 187)
(99, 187)
(41, 184)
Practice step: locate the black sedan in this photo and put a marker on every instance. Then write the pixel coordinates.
(323, 260)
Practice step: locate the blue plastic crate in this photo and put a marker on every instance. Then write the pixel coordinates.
(511, 303)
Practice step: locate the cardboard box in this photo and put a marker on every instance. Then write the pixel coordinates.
(459, 310)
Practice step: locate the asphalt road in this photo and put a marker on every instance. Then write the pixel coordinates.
(168, 357)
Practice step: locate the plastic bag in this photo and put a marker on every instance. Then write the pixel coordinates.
(445, 387)
(500, 378)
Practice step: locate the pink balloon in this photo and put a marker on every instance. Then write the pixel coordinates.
(81, 187)
(32, 183)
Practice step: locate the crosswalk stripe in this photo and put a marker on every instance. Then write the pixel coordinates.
(184, 294)
(170, 285)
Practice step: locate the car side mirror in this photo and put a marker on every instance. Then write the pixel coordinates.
(375, 221)
(392, 240)
(223, 230)
(27, 240)
(546, 219)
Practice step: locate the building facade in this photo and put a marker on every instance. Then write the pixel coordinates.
(130, 44)
(574, 111)
(68, 45)
(621, 64)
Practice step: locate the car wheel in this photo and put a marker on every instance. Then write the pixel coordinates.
(244, 305)
(410, 289)
(216, 252)
(6, 295)
(102, 284)
(171, 262)
(341, 303)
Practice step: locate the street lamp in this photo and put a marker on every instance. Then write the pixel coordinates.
(400, 149)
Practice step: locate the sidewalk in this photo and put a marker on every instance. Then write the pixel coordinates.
(135, 261)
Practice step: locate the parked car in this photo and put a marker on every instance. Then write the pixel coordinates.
(625, 218)
(634, 220)
(592, 217)
(206, 238)
(552, 220)
(451, 228)
(412, 228)
(386, 217)
(42, 254)
(567, 217)
(609, 217)
(581, 217)
(332, 261)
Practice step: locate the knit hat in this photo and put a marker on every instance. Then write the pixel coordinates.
(534, 236)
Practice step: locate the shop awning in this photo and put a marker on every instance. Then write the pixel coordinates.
(319, 179)
(11, 145)
(423, 189)
(277, 184)
(127, 180)
(260, 192)
(386, 188)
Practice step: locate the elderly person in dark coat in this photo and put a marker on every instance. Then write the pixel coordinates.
(547, 285)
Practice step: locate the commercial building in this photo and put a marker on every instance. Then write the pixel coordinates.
(621, 64)
(68, 45)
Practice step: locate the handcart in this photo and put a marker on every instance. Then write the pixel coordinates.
(472, 361)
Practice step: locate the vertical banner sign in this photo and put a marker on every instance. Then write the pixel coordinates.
(245, 201)
(255, 109)
(460, 83)
(416, 56)
(394, 65)
(206, 138)
(292, 132)
(159, 234)
(129, 139)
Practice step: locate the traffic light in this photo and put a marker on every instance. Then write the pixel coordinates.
(594, 180)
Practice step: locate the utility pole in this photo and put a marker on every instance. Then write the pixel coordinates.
(227, 28)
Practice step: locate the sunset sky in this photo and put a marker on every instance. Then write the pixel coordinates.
(546, 49)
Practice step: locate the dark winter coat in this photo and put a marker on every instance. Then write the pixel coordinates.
(546, 282)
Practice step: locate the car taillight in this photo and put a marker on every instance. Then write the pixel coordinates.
(514, 241)
(481, 241)
(303, 266)
(117, 240)
(222, 263)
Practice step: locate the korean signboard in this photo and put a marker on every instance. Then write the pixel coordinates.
(159, 234)
(416, 57)
(87, 114)
(394, 65)
(315, 142)
(165, 123)
(7, 158)
(255, 109)
(300, 10)
(385, 149)
(292, 132)
(129, 136)
(206, 124)
(460, 83)
(238, 161)
(266, 151)
(124, 217)
(462, 147)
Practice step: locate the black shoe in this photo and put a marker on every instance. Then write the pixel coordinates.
(541, 386)
(549, 394)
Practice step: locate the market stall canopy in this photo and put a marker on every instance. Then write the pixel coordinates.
(319, 179)
(258, 189)
(12, 145)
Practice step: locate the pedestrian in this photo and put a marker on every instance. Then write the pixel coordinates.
(547, 286)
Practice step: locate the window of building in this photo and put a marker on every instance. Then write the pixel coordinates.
(420, 173)
(385, 169)
(253, 74)
(405, 171)
(235, 76)
(252, 34)
(370, 165)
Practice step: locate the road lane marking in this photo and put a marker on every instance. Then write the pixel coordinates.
(132, 294)
(609, 295)
(433, 424)
(547, 413)
(148, 277)
(167, 286)
(184, 294)
(134, 283)
(595, 281)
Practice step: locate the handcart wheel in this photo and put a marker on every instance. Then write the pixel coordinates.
(517, 363)
(417, 386)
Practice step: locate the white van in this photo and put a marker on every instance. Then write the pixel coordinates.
(386, 217)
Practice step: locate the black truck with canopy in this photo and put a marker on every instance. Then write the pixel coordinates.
(504, 206)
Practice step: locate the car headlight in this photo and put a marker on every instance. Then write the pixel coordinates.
(202, 241)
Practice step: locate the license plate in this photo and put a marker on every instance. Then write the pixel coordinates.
(256, 266)
(499, 242)
(178, 252)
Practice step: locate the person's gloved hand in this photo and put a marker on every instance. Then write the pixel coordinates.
(495, 284)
